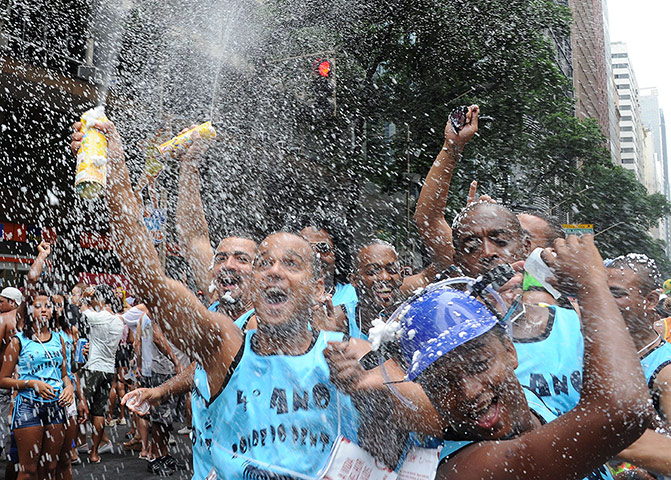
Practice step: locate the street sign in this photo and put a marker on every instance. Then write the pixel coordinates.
(581, 229)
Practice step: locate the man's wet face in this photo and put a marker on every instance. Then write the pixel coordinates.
(487, 236)
(378, 277)
(475, 390)
(538, 229)
(6, 305)
(232, 268)
(283, 285)
(322, 244)
(625, 287)
(76, 296)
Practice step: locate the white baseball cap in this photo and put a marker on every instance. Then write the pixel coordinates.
(11, 293)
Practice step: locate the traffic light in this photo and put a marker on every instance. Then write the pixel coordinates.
(324, 87)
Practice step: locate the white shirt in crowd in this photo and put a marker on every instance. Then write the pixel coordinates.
(104, 338)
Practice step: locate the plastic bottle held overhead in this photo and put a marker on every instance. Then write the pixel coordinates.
(91, 176)
(540, 271)
(206, 131)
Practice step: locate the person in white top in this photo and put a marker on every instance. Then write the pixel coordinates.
(104, 337)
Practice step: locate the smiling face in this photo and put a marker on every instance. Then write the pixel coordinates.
(487, 236)
(284, 286)
(634, 303)
(42, 309)
(475, 390)
(378, 277)
(232, 269)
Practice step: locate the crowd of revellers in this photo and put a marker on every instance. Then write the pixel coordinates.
(286, 367)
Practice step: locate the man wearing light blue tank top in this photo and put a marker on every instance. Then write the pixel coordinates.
(634, 281)
(462, 356)
(550, 348)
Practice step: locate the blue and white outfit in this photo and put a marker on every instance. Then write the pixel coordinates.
(653, 363)
(551, 365)
(544, 414)
(40, 361)
(275, 415)
(345, 295)
(241, 321)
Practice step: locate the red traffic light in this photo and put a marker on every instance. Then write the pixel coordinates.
(322, 67)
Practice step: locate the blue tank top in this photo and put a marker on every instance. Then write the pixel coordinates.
(241, 321)
(551, 365)
(40, 361)
(277, 414)
(653, 363)
(345, 295)
(544, 414)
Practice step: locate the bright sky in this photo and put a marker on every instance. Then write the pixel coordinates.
(645, 26)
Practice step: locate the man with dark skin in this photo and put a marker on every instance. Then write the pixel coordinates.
(633, 281)
(473, 387)
(542, 229)
(286, 282)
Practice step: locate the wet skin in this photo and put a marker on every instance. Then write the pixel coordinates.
(487, 236)
(232, 268)
(378, 277)
(283, 286)
(476, 392)
(537, 229)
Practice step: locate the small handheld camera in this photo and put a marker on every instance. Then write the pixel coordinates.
(458, 118)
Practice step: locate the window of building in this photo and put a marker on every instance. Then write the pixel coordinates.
(626, 150)
(619, 55)
(628, 161)
(626, 129)
(625, 97)
(625, 107)
(625, 118)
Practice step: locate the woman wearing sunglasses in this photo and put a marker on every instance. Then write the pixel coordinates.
(44, 388)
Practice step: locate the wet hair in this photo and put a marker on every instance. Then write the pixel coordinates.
(646, 270)
(240, 233)
(456, 224)
(370, 242)
(107, 295)
(554, 229)
(341, 246)
(26, 313)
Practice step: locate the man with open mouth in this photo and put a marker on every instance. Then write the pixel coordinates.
(271, 407)
(464, 360)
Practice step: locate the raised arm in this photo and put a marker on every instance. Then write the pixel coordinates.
(651, 452)
(43, 252)
(614, 406)
(191, 223)
(212, 338)
(430, 212)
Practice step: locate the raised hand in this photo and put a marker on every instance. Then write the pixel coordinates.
(460, 139)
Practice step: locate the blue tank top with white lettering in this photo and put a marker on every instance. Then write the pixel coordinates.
(40, 361)
(278, 414)
(551, 365)
(345, 295)
(653, 363)
(544, 413)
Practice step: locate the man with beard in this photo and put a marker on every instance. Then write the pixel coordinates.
(228, 269)
(634, 281)
(461, 355)
(271, 406)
